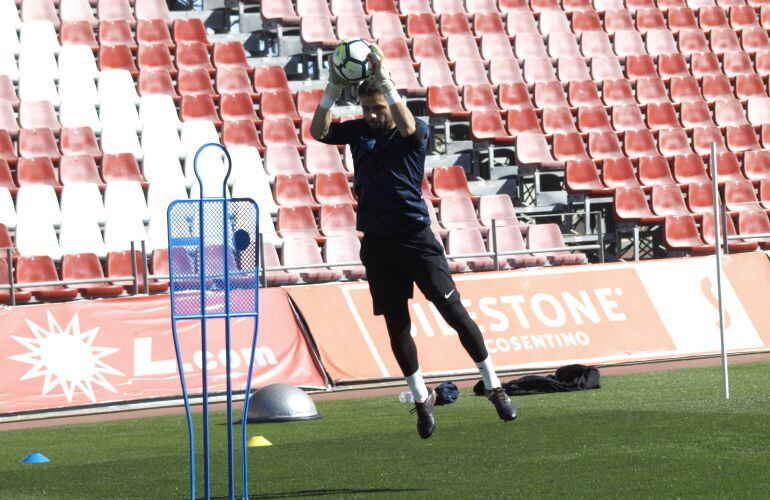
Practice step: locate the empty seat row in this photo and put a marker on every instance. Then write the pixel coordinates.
(681, 233)
(82, 10)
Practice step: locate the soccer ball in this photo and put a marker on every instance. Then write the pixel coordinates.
(351, 60)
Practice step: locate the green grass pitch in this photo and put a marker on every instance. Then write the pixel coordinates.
(664, 434)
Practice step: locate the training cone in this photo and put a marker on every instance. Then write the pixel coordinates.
(34, 458)
(255, 441)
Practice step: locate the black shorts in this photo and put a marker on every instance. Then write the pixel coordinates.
(394, 263)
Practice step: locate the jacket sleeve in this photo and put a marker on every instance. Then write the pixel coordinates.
(339, 133)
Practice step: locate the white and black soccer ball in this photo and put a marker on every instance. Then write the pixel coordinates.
(351, 60)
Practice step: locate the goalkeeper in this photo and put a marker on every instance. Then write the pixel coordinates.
(398, 248)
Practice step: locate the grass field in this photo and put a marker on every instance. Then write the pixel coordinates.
(664, 434)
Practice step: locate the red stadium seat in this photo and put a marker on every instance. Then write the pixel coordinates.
(700, 198)
(696, 114)
(737, 63)
(756, 165)
(640, 67)
(523, 121)
(434, 72)
(20, 296)
(79, 169)
(333, 189)
(740, 196)
(155, 57)
(583, 94)
(429, 48)
(712, 17)
(241, 133)
(115, 33)
(38, 170)
(703, 137)
(469, 241)
(550, 95)
(724, 40)
(616, 92)
(8, 118)
(280, 131)
(764, 193)
(488, 126)
(728, 168)
(569, 146)
(239, 107)
(604, 145)
(487, 23)
(31, 269)
(690, 169)
(298, 252)
(344, 249)
(283, 160)
(79, 141)
(278, 104)
(117, 57)
(532, 149)
(544, 236)
(630, 204)
(649, 19)
(585, 20)
(672, 65)
(649, 90)
(386, 24)
(323, 158)
(395, 49)
(196, 81)
(199, 107)
(749, 222)
(78, 33)
(627, 117)
(681, 18)
(749, 86)
(452, 24)
(500, 208)
(444, 101)
(582, 177)
(119, 264)
(742, 138)
(705, 65)
(619, 173)
(230, 54)
(755, 40)
(458, 213)
(655, 171)
(681, 233)
(339, 220)
(157, 82)
(427, 192)
(270, 78)
(451, 182)
(661, 116)
(84, 266)
(115, 10)
(192, 55)
(190, 29)
(558, 121)
(421, 24)
(638, 143)
(513, 96)
(153, 31)
(668, 200)
(297, 222)
(234, 81)
(673, 142)
(293, 191)
(122, 167)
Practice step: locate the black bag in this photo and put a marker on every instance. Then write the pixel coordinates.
(566, 379)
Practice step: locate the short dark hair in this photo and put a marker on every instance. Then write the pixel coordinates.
(368, 87)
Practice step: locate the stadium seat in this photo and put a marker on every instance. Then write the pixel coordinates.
(672, 65)
(199, 107)
(278, 104)
(126, 210)
(153, 31)
(681, 233)
(155, 57)
(119, 264)
(157, 82)
(443, 101)
(297, 222)
(455, 26)
(396, 49)
(283, 160)
(8, 120)
(583, 94)
(571, 69)
(427, 192)
(81, 235)
(429, 48)
(234, 81)
(627, 117)
(116, 33)
(567, 146)
(405, 78)
(190, 29)
(323, 158)
(6, 178)
(342, 249)
(545, 236)
(729, 113)
(333, 189)
(40, 170)
(527, 45)
(236, 107)
(464, 241)
(507, 6)
(752, 222)
(549, 95)
(191, 55)
(488, 126)
(742, 138)
(294, 190)
(756, 165)
(513, 95)
(8, 91)
(82, 201)
(298, 252)
(655, 171)
(617, 92)
(39, 10)
(117, 57)
(500, 208)
(707, 231)
(558, 121)
(651, 90)
(338, 220)
(38, 115)
(386, 24)
(619, 172)
(630, 204)
(38, 142)
(673, 142)
(740, 196)
(317, 31)
(279, 12)
(122, 167)
(451, 182)
(690, 169)
(582, 177)
(700, 198)
(31, 269)
(604, 145)
(280, 131)
(471, 72)
(241, 133)
(458, 213)
(695, 114)
(79, 141)
(593, 118)
(117, 84)
(554, 21)
(78, 33)
(692, 42)
(640, 67)
(152, 10)
(229, 55)
(638, 143)
(755, 40)
(434, 72)
(703, 137)
(510, 239)
(681, 18)
(668, 200)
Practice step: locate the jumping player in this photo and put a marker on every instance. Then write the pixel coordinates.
(398, 248)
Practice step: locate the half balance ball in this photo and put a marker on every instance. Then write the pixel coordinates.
(280, 403)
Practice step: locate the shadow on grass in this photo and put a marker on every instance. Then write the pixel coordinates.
(327, 492)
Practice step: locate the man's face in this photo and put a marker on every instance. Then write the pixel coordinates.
(376, 112)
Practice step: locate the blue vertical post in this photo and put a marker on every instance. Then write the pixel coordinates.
(214, 230)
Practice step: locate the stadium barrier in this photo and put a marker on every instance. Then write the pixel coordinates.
(104, 352)
(608, 314)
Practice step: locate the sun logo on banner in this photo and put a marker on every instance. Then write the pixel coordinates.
(67, 358)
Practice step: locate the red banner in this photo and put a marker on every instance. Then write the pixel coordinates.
(542, 318)
(118, 350)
